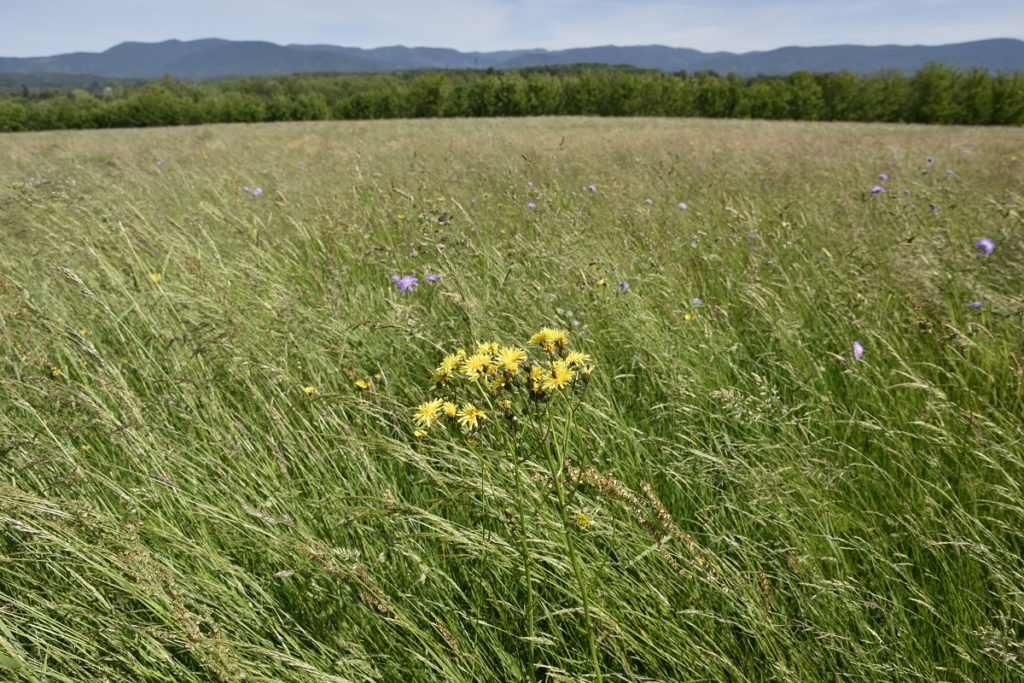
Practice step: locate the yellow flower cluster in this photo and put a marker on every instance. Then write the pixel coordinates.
(491, 369)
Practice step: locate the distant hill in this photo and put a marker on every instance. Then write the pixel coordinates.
(216, 58)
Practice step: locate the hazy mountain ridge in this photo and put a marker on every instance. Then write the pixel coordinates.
(217, 58)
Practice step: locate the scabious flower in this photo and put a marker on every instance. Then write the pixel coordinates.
(426, 413)
(697, 302)
(406, 283)
(877, 189)
(974, 304)
(682, 206)
(431, 278)
(858, 350)
(985, 245)
(256, 192)
(883, 176)
(623, 286)
(531, 205)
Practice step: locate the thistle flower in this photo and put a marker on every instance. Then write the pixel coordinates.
(470, 417)
(985, 245)
(426, 413)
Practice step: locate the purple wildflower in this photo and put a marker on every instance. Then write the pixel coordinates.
(933, 208)
(985, 245)
(592, 187)
(682, 206)
(158, 163)
(877, 189)
(407, 283)
(623, 286)
(245, 189)
(256, 192)
(883, 176)
(649, 202)
(395, 278)
(431, 278)
(974, 304)
(530, 205)
(697, 301)
(472, 201)
(858, 350)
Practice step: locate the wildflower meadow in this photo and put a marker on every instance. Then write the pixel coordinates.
(544, 399)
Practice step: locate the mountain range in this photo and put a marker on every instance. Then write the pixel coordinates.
(217, 58)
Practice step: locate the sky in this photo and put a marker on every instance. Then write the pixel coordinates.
(46, 27)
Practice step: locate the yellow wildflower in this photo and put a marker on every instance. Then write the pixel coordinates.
(470, 416)
(536, 374)
(601, 283)
(419, 433)
(450, 409)
(56, 372)
(688, 316)
(475, 366)
(549, 336)
(576, 358)
(490, 348)
(510, 358)
(560, 375)
(362, 384)
(426, 413)
(583, 520)
(309, 390)
(400, 216)
(156, 277)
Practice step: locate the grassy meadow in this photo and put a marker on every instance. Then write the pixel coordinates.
(210, 469)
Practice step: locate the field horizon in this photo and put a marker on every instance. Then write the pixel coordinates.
(793, 451)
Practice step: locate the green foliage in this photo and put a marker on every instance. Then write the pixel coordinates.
(208, 469)
(937, 94)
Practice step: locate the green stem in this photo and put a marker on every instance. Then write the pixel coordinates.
(556, 462)
(526, 561)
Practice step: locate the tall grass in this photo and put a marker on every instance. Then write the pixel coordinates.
(174, 506)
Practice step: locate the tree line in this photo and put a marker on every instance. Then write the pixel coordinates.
(935, 94)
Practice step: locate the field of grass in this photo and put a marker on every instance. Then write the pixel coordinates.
(209, 469)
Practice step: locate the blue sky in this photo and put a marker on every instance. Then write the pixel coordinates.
(44, 27)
